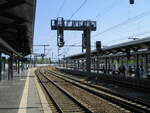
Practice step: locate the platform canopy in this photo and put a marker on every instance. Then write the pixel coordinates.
(17, 19)
(136, 45)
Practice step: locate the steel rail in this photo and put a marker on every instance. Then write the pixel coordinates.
(50, 96)
(123, 104)
(130, 98)
(84, 108)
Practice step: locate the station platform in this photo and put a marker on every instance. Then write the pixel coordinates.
(23, 94)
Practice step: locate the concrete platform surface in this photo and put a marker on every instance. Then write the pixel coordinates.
(21, 95)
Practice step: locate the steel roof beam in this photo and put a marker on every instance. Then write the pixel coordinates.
(12, 26)
(17, 19)
(11, 4)
(8, 47)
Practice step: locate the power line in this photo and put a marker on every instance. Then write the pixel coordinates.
(146, 13)
(140, 34)
(113, 5)
(60, 8)
(135, 35)
(135, 27)
(76, 46)
(78, 8)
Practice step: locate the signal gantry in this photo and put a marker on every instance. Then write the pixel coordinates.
(86, 26)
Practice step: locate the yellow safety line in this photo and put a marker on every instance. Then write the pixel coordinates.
(24, 99)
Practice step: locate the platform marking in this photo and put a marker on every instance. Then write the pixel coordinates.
(24, 99)
(44, 102)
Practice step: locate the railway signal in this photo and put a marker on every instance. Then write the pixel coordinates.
(98, 45)
(131, 1)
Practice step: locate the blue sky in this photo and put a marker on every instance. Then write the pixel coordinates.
(107, 13)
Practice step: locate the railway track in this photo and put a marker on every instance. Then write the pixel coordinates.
(62, 100)
(131, 98)
(130, 103)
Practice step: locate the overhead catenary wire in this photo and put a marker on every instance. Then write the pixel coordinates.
(60, 8)
(107, 10)
(140, 34)
(126, 37)
(126, 29)
(110, 8)
(146, 13)
(137, 33)
(76, 11)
